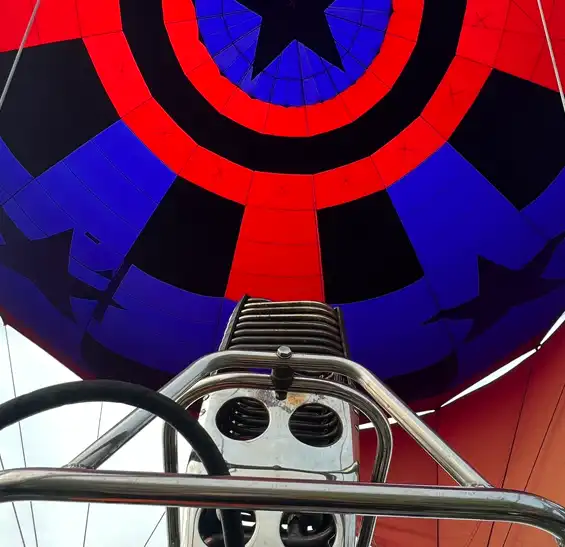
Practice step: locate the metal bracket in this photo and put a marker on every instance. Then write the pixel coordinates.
(465, 502)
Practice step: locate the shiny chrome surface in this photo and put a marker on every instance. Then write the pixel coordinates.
(447, 458)
(461, 471)
(276, 495)
(232, 381)
(171, 464)
(116, 437)
(276, 454)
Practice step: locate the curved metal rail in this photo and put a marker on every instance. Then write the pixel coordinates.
(107, 445)
(296, 496)
(477, 500)
(303, 385)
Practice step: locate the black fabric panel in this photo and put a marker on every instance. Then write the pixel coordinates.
(514, 134)
(426, 382)
(190, 240)
(104, 364)
(437, 44)
(55, 104)
(365, 250)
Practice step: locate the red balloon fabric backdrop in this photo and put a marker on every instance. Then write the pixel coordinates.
(511, 431)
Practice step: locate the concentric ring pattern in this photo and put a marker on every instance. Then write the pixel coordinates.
(404, 160)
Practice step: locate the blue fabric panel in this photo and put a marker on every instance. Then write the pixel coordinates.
(13, 177)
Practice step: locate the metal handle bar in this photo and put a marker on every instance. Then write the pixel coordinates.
(116, 437)
(304, 385)
(295, 496)
(448, 459)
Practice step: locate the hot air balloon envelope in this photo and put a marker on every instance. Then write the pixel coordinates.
(402, 159)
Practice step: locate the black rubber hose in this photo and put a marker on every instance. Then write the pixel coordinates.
(112, 391)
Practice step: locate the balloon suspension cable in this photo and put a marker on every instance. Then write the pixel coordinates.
(19, 54)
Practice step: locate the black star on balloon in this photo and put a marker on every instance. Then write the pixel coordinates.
(45, 262)
(286, 20)
(501, 289)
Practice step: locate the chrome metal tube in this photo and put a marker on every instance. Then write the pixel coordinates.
(171, 464)
(295, 496)
(461, 471)
(302, 385)
(116, 437)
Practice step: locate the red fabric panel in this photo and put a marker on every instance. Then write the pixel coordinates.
(511, 431)
(482, 30)
(56, 20)
(410, 465)
(406, 19)
(405, 22)
(98, 16)
(206, 78)
(529, 469)
(456, 93)
(15, 16)
(217, 175)
(406, 151)
(544, 72)
(368, 445)
(481, 428)
(523, 50)
(555, 17)
(273, 191)
(274, 259)
(277, 251)
(290, 122)
(189, 51)
(320, 118)
(254, 118)
(547, 479)
(392, 58)
(161, 134)
(118, 71)
(347, 183)
(178, 10)
(280, 226)
(358, 99)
